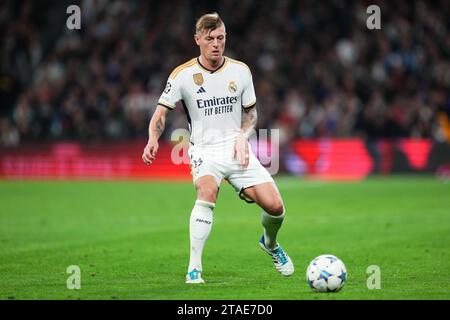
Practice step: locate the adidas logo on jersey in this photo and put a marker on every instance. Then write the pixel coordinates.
(201, 90)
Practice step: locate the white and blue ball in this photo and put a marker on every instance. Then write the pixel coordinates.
(326, 273)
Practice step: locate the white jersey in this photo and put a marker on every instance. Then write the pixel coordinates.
(213, 100)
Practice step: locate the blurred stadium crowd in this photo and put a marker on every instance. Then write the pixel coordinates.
(318, 71)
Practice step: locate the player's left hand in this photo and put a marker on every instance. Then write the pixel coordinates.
(240, 150)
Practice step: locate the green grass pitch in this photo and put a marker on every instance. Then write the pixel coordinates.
(130, 240)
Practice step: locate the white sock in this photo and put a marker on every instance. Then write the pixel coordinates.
(199, 228)
(271, 226)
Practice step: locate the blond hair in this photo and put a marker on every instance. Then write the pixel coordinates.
(210, 21)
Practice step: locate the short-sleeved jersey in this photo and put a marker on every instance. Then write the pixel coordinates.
(213, 100)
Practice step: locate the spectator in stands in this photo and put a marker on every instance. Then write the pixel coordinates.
(319, 72)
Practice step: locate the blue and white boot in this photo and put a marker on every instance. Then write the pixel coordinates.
(279, 257)
(194, 276)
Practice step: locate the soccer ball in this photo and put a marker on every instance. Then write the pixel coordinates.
(326, 273)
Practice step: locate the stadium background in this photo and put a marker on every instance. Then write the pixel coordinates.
(320, 75)
(350, 103)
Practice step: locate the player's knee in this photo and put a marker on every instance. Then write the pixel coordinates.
(207, 193)
(275, 207)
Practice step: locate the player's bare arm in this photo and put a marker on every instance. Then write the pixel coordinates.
(249, 118)
(155, 130)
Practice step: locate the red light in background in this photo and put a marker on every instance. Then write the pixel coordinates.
(335, 159)
(417, 151)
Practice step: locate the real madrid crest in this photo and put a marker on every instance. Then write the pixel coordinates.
(232, 86)
(198, 79)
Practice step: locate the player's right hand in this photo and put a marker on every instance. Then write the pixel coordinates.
(240, 150)
(150, 151)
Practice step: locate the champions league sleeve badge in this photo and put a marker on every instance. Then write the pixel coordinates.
(167, 88)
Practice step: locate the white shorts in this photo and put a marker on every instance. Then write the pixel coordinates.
(221, 165)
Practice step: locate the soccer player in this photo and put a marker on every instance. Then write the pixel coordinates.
(219, 99)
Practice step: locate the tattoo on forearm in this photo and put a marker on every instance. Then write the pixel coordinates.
(160, 125)
(157, 128)
(249, 118)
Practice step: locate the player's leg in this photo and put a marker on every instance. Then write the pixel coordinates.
(256, 183)
(200, 225)
(267, 196)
